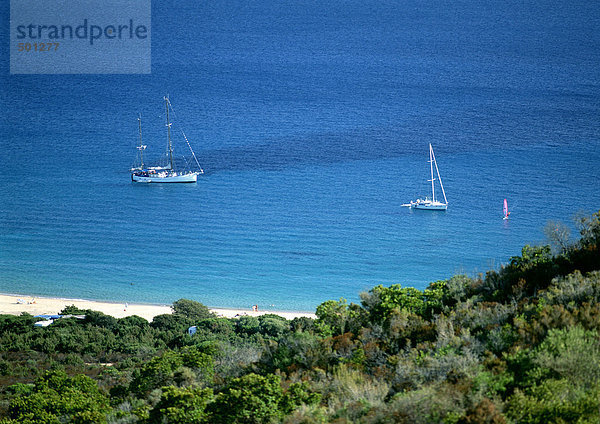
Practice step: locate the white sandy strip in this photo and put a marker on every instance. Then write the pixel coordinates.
(15, 305)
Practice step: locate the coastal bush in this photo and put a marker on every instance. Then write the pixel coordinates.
(132, 323)
(273, 325)
(249, 399)
(171, 368)
(524, 275)
(573, 290)
(585, 255)
(135, 336)
(4, 367)
(570, 353)
(201, 363)
(483, 316)
(259, 399)
(194, 311)
(235, 360)
(335, 317)
(99, 319)
(404, 329)
(560, 379)
(380, 302)
(434, 296)
(486, 411)
(295, 351)
(181, 406)
(12, 324)
(554, 401)
(73, 310)
(456, 289)
(158, 372)
(303, 324)
(419, 367)
(348, 386)
(297, 395)
(171, 329)
(248, 325)
(171, 323)
(332, 316)
(216, 326)
(56, 397)
(438, 403)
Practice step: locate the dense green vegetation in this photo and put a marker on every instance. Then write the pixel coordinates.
(517, 345)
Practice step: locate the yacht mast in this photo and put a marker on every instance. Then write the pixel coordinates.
(431, 159)
(141, 146)
(438, 174)
(170, 147)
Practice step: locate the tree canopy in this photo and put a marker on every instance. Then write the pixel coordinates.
(518, 344)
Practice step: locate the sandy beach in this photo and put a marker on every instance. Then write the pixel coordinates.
(34, 305)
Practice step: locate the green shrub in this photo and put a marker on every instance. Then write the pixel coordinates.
(57, 397)
(194, 311)
(248, 325)
(182, 406)
(273, 325)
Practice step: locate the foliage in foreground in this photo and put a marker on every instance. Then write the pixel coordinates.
(518, 345)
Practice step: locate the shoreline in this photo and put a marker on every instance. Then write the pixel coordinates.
(13, 304)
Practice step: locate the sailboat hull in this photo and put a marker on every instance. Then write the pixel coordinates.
(191, 177)
(429, 206)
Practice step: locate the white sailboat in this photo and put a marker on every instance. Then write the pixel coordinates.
(427, 203)
(164, 174)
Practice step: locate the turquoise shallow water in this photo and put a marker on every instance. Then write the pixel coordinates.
(312, 122)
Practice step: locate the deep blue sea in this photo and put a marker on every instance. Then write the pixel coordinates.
(312, 121)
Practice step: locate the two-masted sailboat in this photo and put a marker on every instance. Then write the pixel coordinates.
(427, 203)
(168, 173)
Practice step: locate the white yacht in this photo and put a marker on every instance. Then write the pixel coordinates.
(427, 203)
(164, 174)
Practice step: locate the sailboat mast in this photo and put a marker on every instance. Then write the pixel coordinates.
(431, 166)
(438, 174)
(141, 145)
(170, 147)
